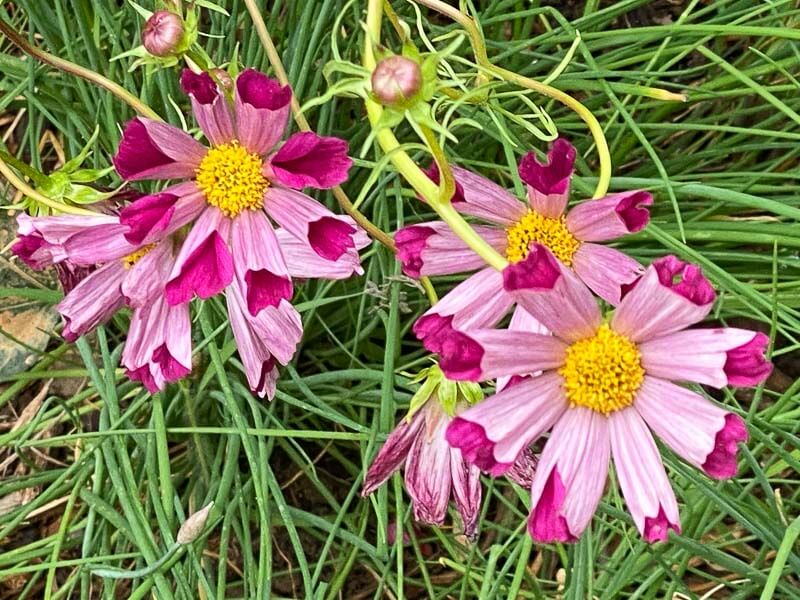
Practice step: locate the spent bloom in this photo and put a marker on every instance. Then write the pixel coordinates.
(602, 388)
(430, 249)
(230, 195)
(432, 468)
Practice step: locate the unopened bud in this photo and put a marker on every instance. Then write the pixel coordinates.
(193, 526)
(396, 79)
(162, 33)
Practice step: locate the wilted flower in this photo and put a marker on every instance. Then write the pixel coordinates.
(432, 468)
(396, 79)
(232, 191)
(194, 525)
(604, 385)
(163, 33)
(481, 301)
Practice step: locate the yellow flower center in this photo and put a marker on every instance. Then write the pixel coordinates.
(132, 259)
(230, 178)
(552, 233)
(602, 372)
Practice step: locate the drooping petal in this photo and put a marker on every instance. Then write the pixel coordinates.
(262, 108)
(670, 296)
(479, 301)
(548, 183)
(433, 249)
(93, 301)
(204, 266)
(331, 236)
(427, 475)
(553, 295)
(152, 217)
(145, 280)
(523, 469)
(303, 262)
(605, 270)
(521, 320)
(503, 352)
(259, 262)
(702, 433)
(641, 476)
(571, 476)
(310, 160)
(466, 491)
(156, 150)
(701, 356)
(210, 106)
(610, 217)
(83, 240)
(393, 453)
(482, 198)
(493, 433)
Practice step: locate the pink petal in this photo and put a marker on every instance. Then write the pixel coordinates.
(82, 240)
(433, 249)
(393, 453)
(747, 365)
(310, 160)
(605, 270)
(658, 305)
(610, 217)
(304, 262)
(204, 266)
(262, 108)
(93, 301)
(571, 476)
(155, 150)
(493, 433)
(152, 217)
(466, 492)
(504, 352)
(210, 106)
(433, 174)
(699, 355)
(691, 425)
(641, 476)
(524, 468)
(521, 320)
(331, 236)
(144, 282)
(483, 198)
(553, 295)
(259, 262)
(427, 475)
(548, 183)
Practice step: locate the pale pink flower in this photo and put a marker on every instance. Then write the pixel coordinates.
(603, 389)
(233, 192)
(430, 249)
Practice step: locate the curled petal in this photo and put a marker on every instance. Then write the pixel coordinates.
(670, 296)
(605, 270)
(304, 262)
(145, 280)
(427, 475)
(152, 217)
(548, 183)
(210, 106)
(466, 492)
(262, 108)
(393, 453)
(610, 217)
(155, 150)
(747, 365)
(93, 301)
(309, 160)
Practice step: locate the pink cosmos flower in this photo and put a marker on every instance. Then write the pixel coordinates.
(432, 469)
(158, 348)
(605, 386)
(481, 301)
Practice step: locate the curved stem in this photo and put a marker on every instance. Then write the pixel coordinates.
(438, 199)
(23, 187)
(275, 60)
(479, 48)
(79, 71)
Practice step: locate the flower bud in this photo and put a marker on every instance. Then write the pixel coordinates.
(396, 79)
(162, 33)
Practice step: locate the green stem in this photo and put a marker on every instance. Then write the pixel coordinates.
(23, 187)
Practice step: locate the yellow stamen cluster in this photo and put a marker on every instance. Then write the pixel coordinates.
(230, 178)
(132, 259)
(602, 372)
(549, 232)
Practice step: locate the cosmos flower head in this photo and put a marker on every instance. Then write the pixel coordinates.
(602, 388)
